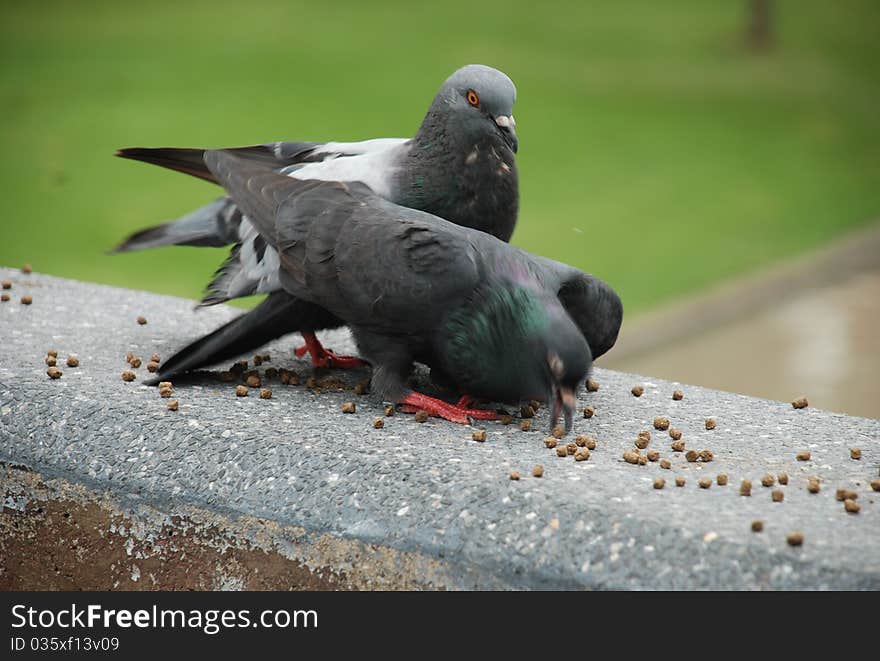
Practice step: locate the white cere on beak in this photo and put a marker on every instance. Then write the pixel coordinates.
(505, 122)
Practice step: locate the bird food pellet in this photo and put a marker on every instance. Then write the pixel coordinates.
(558, 432)
(851, 506)
(4, 297)
(239, 367)
(846, 494)
(54, 373)
(388, 411)
(705, 483)
(173, 405)
(535, 404)
(561, 451)
(592, 386)
(768, 480)
(26, 300)
(538, 471)
(348, 407)
(581, 440)
(706, 455)
(258, 360)
(505, 419)
(589, 412)
(52, 352)
(782, 478)
(128, 376)
(666, 464)
(241, 391)
(757, 526)
(795, 538)
(679, 481)
(641, 442)
(777, 495)
(154, 367)
(479, 435)
(674, 434)
(27, 268)
(421, 416)
(360, 388)
(631, 457)
(678, 446)
(677, 395)
(803, 455)
(265, 393)
(128, 357)
(526, 411)
(645, 434)
(692, 455)
(659, 483)
(135, 362)
(590, 443)
(875, 485)
(800, 403)
(253, 381)
(550, 442)
(813, 485)
(653, 455)
(514, 475)
(745, 488)
(855, 453)
(73, 360)
(721, 479)
(637, 391)
(155, 358)
(710, 423)
(643, 460)
(378, 423)
(165, 384)
(582, 454)
(525, 425)
(51, 361)
(142, 320)
(165, 391)
(6, 284)
(661, 423)
(571, 448)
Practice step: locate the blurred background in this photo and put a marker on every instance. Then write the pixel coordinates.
(716, 161)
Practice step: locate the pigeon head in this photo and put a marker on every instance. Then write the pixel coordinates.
(479, 99)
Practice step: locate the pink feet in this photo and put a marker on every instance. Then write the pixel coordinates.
(453, 412)
(321, 357)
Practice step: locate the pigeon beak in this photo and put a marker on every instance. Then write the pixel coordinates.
(507, 123)
(564, 401)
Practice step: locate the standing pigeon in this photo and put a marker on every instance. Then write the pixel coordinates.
(460, 166)
(487, 317)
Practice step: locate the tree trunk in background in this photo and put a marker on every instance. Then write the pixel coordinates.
(759, 32)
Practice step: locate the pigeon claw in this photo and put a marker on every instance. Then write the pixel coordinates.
(322, 357)
(416, 401)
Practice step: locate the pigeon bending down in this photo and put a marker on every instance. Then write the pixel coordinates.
(491, 319)
(459, 166)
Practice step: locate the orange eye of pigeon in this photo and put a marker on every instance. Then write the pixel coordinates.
(473, 99)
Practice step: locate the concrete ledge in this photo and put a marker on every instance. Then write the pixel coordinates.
(291, 493)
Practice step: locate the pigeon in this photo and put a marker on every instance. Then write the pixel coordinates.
(460, 166)
(496, 322)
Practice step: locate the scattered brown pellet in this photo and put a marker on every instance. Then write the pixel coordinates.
(757, 525)
(514, 475)
(558, 432)
(479, 435)
(135, 362)
(875, 485)
(721, 479)
(782, 478)
(643, 460)
(590, 443)
(645, 434)
(706, 455)
(27, 268)
(705, 483)
(637, 391)
(348, 407)
(804, 455)
(589, 412)
(674, 433)
(550, 442)
(173, 405)
(641, 442)
(661, 423)
(265, 393)
(800, 403)
(692, 455)
(851, 506)
(378, 423)
(678, 446)
(571, 448)
(679, 481)
(592, 386)
(653, 455)
(581, 440)
(631, 456)
(128, 376)
(239, 367)
(768, 480)
(525, 425)
(52, 352)
(677, 395)
(6, 284)
(225, 376)
(253, 381)
(561, 451)
(795, 538)
(582, 454)
(361, 387)
(241, 391)
(421, 416)
(73, 360)
(505, 419)
(526, 411)
(128, 357)
(388, 411)
(165, 393)
(846, 494)
(27, 300)
(813, 485)
(289, 377)
(155, 358)
(855, 453)
(142, 320)
(54, 373)
(665, 464)
(535, 404)
(4, 298)
(659, 483)
(778, 495)
(710, 423)
(165, 384)
(745, 488)
(538, 471)
(154, 367)
(258, 360)
(51, 361)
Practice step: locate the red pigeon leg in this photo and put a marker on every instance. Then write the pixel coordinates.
(437, 407)
(322, 357)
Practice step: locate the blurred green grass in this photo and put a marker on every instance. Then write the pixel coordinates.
(655, 151)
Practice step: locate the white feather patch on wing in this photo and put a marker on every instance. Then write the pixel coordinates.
(256, 276)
